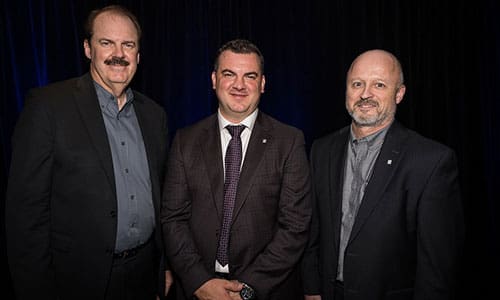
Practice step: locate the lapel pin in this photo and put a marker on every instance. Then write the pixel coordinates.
(264, 141)
(389, 162)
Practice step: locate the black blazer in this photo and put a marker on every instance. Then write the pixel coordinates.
(408, 234)
(61, 200)
(271, 214)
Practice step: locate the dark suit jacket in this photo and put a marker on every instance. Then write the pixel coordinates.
(271, 215)
(408, 233)
(61, 207)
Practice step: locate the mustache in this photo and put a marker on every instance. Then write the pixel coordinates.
(115, 60)
(366, 101)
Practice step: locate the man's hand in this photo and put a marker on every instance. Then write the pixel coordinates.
(169, 279)
(312, 297)
(219, 289)
(236, 295)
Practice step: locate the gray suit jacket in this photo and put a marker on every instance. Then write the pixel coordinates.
(408, 233)
(271, 215)
(61, 200)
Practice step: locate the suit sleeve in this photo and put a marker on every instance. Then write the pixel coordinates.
(272, 266)
(310, 261)
(175, 215)
(164, 148)
(28, 202)
(440, 232)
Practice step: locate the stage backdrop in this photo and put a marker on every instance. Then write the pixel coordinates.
(450, 72)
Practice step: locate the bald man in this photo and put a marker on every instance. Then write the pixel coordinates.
(387, 220)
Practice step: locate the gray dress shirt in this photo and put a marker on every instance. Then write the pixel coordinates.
(361, 156)
(133, 184)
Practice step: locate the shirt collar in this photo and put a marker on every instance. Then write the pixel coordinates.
(373, 140)
(105, 97)
(248, 122)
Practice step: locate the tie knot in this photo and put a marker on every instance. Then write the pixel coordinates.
(235, 130)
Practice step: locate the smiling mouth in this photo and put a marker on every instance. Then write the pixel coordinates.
(238, 95)
(366, 103)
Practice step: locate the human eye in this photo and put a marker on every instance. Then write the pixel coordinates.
(252, 76)
(356, 84)
(129, 45)
(227, 74)
(380, 85)
(104, 43)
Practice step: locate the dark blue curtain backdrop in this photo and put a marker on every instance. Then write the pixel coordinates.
(450, 51)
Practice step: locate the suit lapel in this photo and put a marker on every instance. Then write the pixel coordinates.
(383, 171)
(147, 129)
(336, 180)
(210, 144)
(259, 140)
(85, 98)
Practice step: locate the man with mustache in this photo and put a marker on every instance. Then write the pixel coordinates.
(387, 220)
(116, 61)
(89, 154)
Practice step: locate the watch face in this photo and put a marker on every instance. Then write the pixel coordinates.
(246, 292)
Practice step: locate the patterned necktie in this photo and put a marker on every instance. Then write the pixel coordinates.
(233, 164)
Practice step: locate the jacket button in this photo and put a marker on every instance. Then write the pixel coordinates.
(112, 214)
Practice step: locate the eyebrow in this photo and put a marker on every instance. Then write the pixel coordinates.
(112, 41)
(245, 74)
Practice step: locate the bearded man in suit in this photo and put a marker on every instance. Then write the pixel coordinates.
(387, 219)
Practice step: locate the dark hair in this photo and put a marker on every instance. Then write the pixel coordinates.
(117, 9)
(239, 46)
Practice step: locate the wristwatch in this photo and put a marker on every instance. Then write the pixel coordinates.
(247, 292)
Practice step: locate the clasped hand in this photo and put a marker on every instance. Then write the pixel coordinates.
(219, 289)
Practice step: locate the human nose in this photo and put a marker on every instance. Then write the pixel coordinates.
(239, 83)
(118, 51)
(367, 93)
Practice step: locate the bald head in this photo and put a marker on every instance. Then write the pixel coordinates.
(374, 87)
(376, 59)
